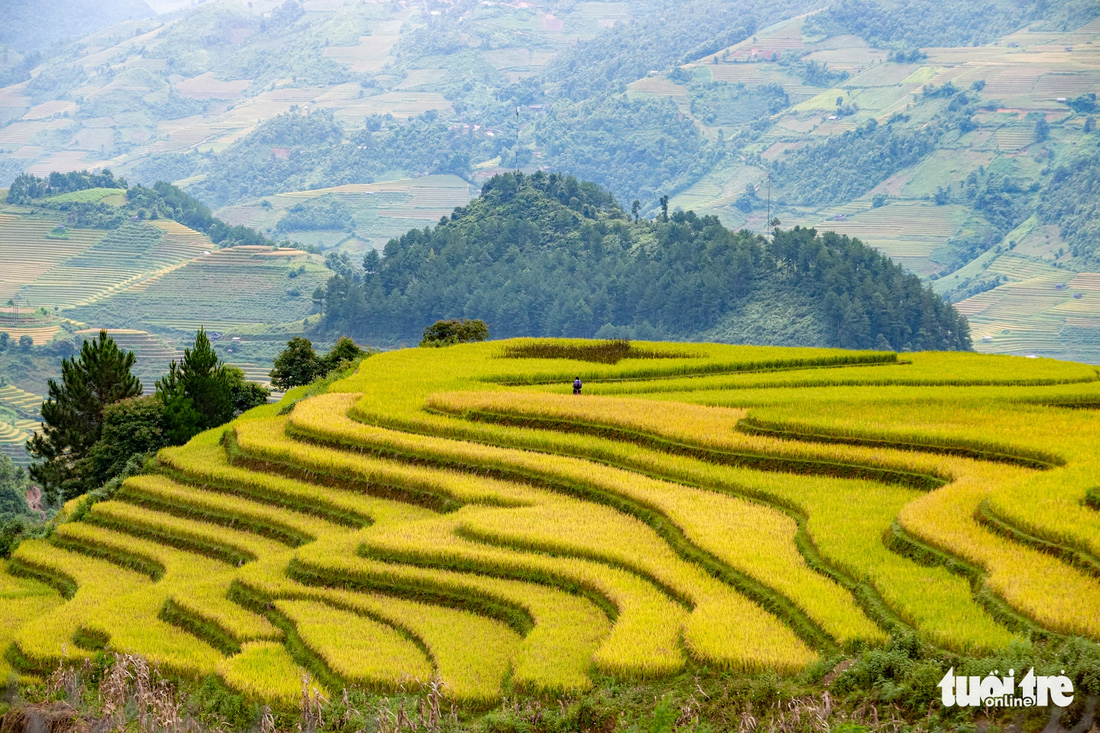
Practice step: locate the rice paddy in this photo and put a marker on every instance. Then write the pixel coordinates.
(455, 517)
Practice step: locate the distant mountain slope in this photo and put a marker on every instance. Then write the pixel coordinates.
(875, 118)
(30, 25)
(547, 255)
(972, 166)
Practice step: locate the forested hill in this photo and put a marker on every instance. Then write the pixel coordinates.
(547, 255)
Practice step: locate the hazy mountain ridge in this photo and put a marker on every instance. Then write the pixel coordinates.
(940, 156)
(37, 26)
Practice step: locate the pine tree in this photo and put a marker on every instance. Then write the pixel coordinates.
(72, 415)
(201, 392)
(195, 392)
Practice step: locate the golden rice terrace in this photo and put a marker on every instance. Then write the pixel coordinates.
(457, 514)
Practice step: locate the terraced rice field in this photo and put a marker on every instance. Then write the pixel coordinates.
(1051, 312)
(16, 431)
(13, 439)
(89, 264)
(16, 399)
(27, 254)
(468, 520)
(220, 289)
(370, 55)
(128, 255)
(40, 333)
(908, 231)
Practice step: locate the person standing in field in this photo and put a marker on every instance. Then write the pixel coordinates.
(577, 385)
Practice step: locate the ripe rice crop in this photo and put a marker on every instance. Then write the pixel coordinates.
(203, 460)
(281, 525)
(701, 515)
(265, 671)
(939, 604)
(555, 654)
(229, 545)
(746, 508)
(357, 648)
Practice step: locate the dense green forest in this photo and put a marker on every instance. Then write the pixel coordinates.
(546, 255)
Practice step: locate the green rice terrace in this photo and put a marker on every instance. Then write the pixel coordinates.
(455, 515)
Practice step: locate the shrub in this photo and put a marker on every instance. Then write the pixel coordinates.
(457, 331)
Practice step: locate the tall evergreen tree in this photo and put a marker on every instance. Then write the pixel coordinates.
(72, 415)
(201, 392)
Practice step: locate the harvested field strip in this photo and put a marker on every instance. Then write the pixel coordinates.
(702, 516)
(39, 334)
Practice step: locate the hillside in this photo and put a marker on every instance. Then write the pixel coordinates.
(711, 515)
(955, 127)
(948, 159)
(547, 255)
(92, 253)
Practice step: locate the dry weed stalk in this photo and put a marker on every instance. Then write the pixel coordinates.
(130, 679)
(310, 707)
(66, 680)
(267, 720)
(386, 719)
(689, 711)
(429, 708)
(747, 723)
